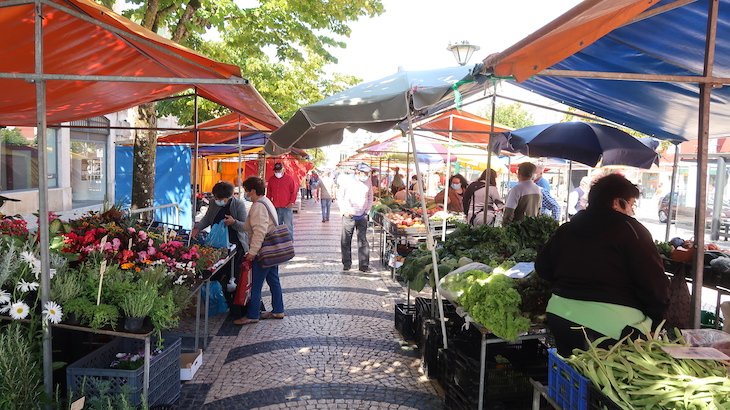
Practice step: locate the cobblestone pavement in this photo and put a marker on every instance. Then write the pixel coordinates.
(335, 349)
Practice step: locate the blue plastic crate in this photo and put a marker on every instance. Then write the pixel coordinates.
(566, 386)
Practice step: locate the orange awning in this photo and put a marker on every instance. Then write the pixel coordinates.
(465, 127)
(219, 130)
(573, 31)
(73, 46)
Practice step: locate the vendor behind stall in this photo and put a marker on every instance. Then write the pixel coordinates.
(606, 273)
(457, 187)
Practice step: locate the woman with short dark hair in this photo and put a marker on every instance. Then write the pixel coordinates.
(606, 273)
(232, 211)
(457, 187)
(262, 220)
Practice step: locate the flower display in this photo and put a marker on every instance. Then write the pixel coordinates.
(132, 361)
(52, 312)
(19, 310)
(13, 227)
(33, 262)
(4, 297)
(24, 286)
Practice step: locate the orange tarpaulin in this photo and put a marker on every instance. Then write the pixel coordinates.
(466, 127)
(218, 130)
(573, 31)
(73, 46)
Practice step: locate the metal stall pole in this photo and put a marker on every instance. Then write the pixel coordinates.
(41, 129)
(675, 167)
(448, 176)
(240, 173)
(482, 370)
(195, 158)
(488, 175)
(567, 189)
(429, 238)
(717, 206)
(703, 135)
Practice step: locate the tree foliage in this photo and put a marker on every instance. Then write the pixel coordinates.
(511, 115)
(12, 136)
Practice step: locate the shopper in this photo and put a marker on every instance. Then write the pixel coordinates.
(314, 184)
(549, 206)
(261, 221)
(540, 180)
(578, 199)
(281, 189)
(525, 198)
(490, 195)
(473, 187)
(455, 201)
(232, 212)
(356, 199)
(397, 181)
(606, 273)
(324, 197)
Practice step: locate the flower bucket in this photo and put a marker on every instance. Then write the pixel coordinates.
(133, 324)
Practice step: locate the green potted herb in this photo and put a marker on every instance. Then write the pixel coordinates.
(137, 305)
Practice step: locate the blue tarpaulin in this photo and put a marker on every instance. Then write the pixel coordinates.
(670, 43)
(172, 181)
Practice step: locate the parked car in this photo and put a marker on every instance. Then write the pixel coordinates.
(680, 208)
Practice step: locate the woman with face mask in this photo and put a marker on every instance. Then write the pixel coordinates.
(457, 187)
(232, 211)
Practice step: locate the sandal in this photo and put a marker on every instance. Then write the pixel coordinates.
(245, 321)
(272, 315)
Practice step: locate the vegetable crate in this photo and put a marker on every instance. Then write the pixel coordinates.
(509, 367)
(432, 341)
(571, 390)
(423, 312)
(404, 320)
(84, 376)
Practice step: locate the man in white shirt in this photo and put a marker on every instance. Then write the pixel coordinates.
(525, 198)
(356, 199)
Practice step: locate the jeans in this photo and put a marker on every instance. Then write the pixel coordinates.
(326, 204)
(363, 249)
(286, 217)
(258, 275)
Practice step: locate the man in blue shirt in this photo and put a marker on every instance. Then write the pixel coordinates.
(549, 205)
(539, 180)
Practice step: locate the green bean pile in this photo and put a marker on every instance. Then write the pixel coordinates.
(638, 374)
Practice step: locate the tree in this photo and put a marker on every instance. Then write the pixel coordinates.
(300, 33)
(12, 136)
(511, 115)
(317, 156)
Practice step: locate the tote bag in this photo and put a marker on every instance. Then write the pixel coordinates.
(218, 236)
(278, 246)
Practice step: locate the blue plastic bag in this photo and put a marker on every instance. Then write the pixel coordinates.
(217, 302)
(218, 236)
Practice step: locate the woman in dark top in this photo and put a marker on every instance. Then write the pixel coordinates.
(606, 273)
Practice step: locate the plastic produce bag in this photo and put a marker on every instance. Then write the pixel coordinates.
(704, 337)
(218, 236)
(216, 301)
(453, 296)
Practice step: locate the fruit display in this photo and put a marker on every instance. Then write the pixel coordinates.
(405, 219)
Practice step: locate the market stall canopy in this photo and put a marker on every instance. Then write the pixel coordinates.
(628, 40)
(584, 142)
(219, 130)
(74, 45)
(463, 126)
(430, 151)
(375, 106)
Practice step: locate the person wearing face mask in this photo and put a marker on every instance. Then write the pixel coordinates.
(232, 211)
(457, 187)
(606, 273)
(282, 190)
(356, 199)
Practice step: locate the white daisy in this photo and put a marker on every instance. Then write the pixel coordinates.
(33, 262)
(6, 309)
(4, 297)
(24, 286)
(19, 310)
(53, 273)
(52, 312)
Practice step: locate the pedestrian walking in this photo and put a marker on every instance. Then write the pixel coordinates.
(356, 199)
(260, 221)
(282, 190)
(323, 195)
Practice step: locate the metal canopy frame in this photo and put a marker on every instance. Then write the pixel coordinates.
(40, 78)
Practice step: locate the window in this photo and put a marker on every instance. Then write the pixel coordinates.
(19, 155)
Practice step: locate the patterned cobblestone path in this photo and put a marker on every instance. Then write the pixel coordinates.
(335, 349)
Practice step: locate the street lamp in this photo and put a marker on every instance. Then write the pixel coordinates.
(462, 51)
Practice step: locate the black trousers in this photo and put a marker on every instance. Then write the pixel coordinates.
(570, 335)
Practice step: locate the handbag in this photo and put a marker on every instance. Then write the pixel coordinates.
(243, 290)
(218, 236)
(277, 247)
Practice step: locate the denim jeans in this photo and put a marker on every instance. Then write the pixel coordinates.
(271, 276)
(286, 217)
(326, 204)
(363, 250)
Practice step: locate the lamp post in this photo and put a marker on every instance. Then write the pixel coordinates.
(462, 51)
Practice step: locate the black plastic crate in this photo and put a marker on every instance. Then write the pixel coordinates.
(404, 320)
(432, 341)
(423, 312)
(598, 401)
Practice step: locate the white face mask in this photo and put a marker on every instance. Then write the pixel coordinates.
(363, 178)
(278, 174)
(455, 186)
(220, 202)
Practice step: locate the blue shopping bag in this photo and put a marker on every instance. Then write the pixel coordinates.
(218, 236)
(217, 302)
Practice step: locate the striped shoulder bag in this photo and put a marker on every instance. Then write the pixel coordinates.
(278, 246)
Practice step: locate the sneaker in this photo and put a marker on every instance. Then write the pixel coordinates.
(324, 220)
(346, 268)
(366, 269)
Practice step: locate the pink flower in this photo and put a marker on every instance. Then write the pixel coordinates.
(151, 251)
(108, 246)
(142, 235)
(150, 242)
(131, 230)
(116, 243)
(142, 256)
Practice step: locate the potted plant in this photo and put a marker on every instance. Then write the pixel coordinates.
(137, 305)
